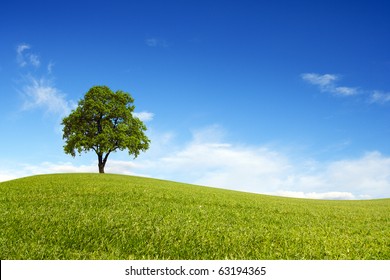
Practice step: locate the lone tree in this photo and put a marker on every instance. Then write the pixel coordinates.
(103, 122)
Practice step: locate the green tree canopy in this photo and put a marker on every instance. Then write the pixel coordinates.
(103, 122)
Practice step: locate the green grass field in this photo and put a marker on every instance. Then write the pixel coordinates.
(103, 216)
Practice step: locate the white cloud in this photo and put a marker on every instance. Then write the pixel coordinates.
(380, 97)
(112, 166)
(327, 83)
(206, 159)
(345, 91)
(21, 48)
(6, 176)
(19, 54)
(323, 81)
(365, 177)
(34, 60)
(144, 116)
(226, 165)
(314, 195)
(61, 167)
(25, 58)
(368, 174)
(41, 93)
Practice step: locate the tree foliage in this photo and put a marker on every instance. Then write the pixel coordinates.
(103, 122)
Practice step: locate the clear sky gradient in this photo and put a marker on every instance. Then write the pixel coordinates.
(277, 97)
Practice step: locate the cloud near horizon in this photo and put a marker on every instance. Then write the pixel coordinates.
(211, 161)
(263, 169)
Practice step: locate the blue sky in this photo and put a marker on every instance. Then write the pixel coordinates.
(278, 97)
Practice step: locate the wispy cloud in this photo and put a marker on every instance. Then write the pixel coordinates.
(50, 67)
(327, 83)
(151, 42)
(34, 60)
(380, 97)
(19, 54)
(345, 91)
(42, 94)
(155, 42)
(21, 48)
(323, 81)
(24, 58)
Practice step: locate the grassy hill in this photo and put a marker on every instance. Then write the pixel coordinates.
(103, 216)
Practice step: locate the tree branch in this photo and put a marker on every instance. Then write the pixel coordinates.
(93, 148)
(106, 157)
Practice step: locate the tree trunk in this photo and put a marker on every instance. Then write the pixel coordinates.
(101, 163)
(101, 168)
